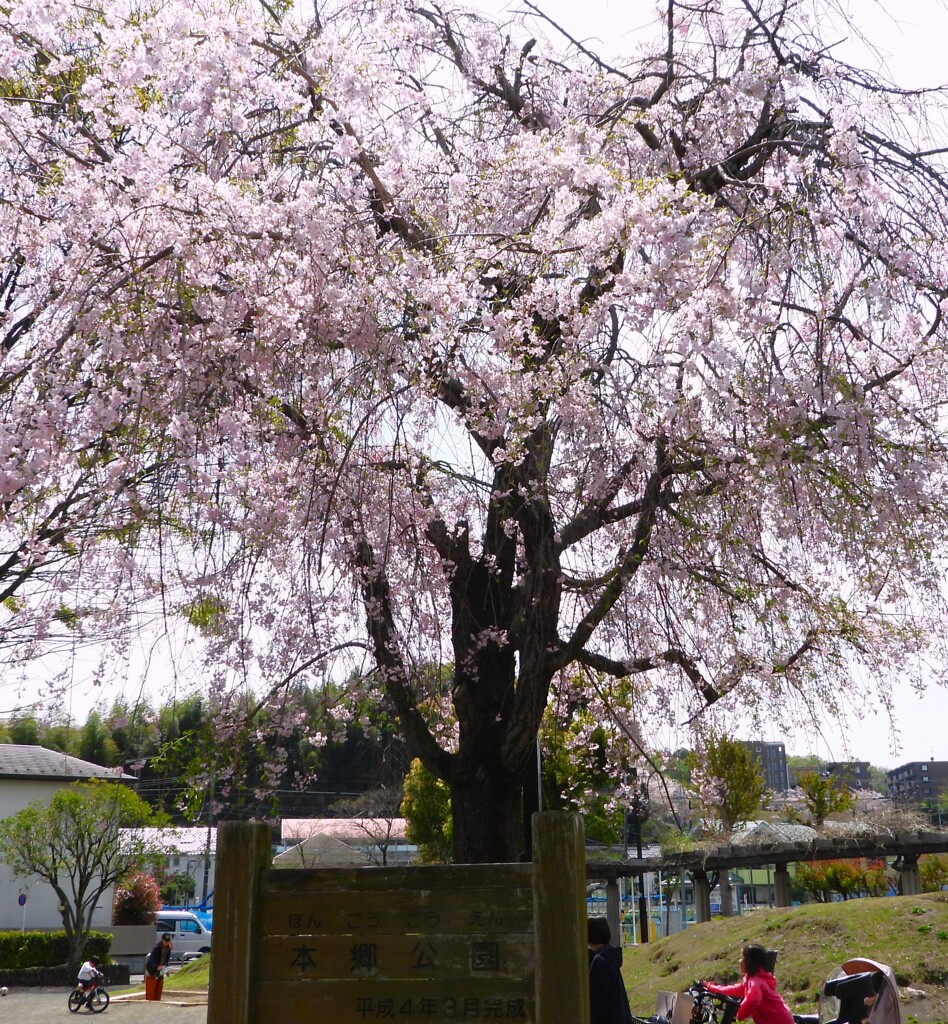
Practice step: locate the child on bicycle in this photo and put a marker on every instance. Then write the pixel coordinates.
(89, 974)
(757, 990)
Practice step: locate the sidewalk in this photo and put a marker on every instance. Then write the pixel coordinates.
(48, 1006)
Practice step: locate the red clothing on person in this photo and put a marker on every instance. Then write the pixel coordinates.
(759, 998)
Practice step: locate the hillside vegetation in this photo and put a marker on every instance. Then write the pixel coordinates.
(910, 933)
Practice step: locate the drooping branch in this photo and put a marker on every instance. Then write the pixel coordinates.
(380, 621)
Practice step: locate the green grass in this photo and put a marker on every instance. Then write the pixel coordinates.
(909, 933)
(193, 975)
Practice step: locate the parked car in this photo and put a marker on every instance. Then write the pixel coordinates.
(189, 937)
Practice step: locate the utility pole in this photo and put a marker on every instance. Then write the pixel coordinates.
(639, 793)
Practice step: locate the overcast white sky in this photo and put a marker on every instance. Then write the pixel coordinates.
(913, 44)
(910, 34)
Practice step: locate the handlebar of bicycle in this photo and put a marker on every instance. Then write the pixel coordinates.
(699, 988)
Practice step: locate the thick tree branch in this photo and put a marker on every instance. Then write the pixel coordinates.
(635, 555)
(380, 621)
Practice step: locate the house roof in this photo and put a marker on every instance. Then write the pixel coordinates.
(173, 841)
(352, 829)
(321, 851)
(27, 761)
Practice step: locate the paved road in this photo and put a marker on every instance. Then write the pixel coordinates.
(48, 1006)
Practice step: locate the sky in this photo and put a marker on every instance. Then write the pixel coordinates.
(909, 34)
(912, 45)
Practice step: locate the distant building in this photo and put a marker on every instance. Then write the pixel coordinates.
(917, 781)
(772, 760)
(855, 774)
(381, 839)
(183, 850)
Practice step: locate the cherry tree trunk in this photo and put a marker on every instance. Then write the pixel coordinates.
(487, 813)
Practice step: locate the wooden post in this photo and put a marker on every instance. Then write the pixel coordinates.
(702, 895)
(559, 901)
(782, 894)
(243, 851)
(911, 877)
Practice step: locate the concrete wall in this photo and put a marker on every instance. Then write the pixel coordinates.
(131, 943)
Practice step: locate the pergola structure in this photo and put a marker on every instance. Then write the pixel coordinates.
(700, 864)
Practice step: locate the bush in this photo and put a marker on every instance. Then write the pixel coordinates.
(933, 869)
(46, 949)
(849, 878)
(137, 899)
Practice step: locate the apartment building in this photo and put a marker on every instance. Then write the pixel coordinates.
(917, 781)
(772, 759)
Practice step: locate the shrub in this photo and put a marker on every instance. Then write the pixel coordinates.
(46, 949)
(137, 899)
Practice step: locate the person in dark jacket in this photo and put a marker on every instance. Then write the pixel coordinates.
(155, 964)
(608, 1001)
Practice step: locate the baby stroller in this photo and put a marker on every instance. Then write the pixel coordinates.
(859, 990)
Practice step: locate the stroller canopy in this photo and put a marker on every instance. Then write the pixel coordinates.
(887, 1009)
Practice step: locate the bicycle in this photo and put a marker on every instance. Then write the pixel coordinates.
(710, 1007)
(95, 998)
(707, 1008)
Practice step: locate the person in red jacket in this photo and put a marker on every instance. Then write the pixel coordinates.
(757, 990)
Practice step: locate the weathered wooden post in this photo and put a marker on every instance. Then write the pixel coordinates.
(782, 894)
(243, 852)
(559, 892)
(702, 887)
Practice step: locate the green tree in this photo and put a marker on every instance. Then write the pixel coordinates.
(797, 765)
(59, 735)
(729, 781)
(73, 844)
(23, 729)
(824, 795)
(178, 887)
(933, 868)
(936, 807)
(876, 878)
(426, 807)
(849, 878)
(878, 779)
(95, 743)
(134, 730)
(811, 880)
(730, 785)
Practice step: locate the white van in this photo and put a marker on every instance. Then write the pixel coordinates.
(189, 938)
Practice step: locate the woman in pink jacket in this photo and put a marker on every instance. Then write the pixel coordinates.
(757, 990)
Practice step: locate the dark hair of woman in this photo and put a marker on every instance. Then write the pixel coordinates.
(597, 931)
(755, 959)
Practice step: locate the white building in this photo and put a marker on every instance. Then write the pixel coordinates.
(188, 851)
(29, 774)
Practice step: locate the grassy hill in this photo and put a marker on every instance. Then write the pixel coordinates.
(910, 933)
